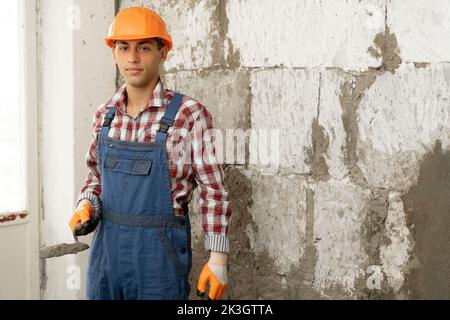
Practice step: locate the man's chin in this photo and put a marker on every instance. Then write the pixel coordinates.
(137, 83)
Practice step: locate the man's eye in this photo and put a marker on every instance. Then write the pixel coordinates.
(123, 48)
(145, 49)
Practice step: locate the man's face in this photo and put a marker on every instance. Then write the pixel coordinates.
(138, 61)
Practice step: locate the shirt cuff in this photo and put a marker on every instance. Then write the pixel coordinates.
(217, 243)
(94, 199)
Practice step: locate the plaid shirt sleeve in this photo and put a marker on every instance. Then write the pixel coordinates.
(209, 176)
(92, 187)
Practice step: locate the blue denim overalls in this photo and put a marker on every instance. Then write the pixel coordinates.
(140, 249)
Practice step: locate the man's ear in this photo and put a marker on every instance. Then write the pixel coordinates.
(163, 54)
(113, 49)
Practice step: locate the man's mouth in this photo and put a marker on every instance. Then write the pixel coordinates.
(133, 71)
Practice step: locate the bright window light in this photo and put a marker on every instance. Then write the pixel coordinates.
(12, 184)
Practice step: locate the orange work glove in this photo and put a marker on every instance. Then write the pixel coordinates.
(81, 223)
(216, 276)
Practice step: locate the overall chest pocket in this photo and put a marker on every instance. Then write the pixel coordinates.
(128, 165)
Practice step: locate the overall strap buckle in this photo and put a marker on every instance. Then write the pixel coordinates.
(167, 120)
(109, 116)
(165, 125)
(107, 121)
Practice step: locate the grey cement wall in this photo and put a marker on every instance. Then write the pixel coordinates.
(357, 93)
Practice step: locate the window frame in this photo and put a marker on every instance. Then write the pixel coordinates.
(28, 114)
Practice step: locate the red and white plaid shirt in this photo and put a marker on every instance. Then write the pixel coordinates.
(192, 130)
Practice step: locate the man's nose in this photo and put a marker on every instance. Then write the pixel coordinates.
(133, 57)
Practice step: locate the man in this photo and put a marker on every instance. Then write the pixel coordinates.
(137, 189)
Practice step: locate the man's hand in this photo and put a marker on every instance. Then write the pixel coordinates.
(214, 272)
(83, 220)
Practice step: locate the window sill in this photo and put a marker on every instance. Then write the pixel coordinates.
(14, 218)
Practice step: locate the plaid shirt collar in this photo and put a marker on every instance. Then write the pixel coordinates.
(157, 98)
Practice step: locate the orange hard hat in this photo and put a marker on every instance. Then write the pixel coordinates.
(137, 23)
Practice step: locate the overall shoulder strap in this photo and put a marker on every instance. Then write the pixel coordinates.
(168, 119)
(107, 121)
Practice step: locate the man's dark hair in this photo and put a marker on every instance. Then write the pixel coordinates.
(160, 43)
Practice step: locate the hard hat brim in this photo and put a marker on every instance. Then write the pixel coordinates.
(110, 40)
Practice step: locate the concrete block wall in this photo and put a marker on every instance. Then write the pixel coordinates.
(357, 94)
